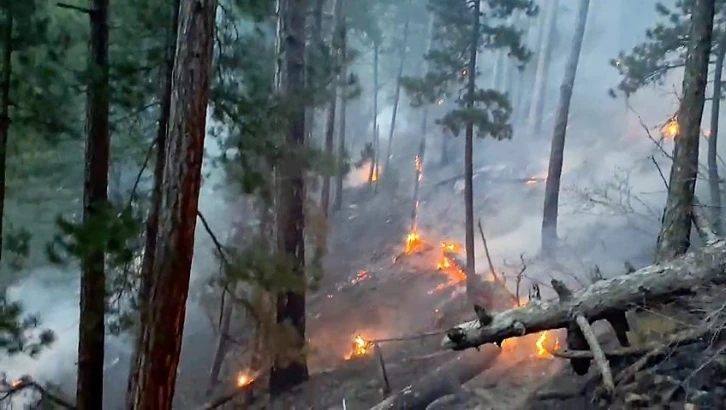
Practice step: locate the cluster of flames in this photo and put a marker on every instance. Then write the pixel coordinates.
(361, 348)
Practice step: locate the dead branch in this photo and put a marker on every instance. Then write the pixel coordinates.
(600, 300)
(228, 397)
(489, 256)
(27, 383)
(600, 360)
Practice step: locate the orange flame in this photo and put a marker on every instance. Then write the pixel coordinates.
(671, 129)
(413, 242)
(361, 347)
(244, 379)
(374, 178)
(542, 351)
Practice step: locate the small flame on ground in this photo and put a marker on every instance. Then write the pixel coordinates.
(413, 242)
(361, 347)
(671, 129)
(244, 379)
(454, 274)
(542, 351)
(374, 178)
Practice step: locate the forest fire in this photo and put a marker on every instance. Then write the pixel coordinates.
(361, 347)
(544, 339)
(413, 242)
(671, 129)
(452, 270)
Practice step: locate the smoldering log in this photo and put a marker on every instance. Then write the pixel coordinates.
(655, 283)
(446, 379)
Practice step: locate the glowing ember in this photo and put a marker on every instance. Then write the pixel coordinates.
(413, 242)
(360, 276)
(244, 379)
(361, 347)
(532, 181)
(374, 178)
(542, 351)
(671, 129)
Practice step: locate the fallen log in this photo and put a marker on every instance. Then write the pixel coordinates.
(446, 379)
(655, 283)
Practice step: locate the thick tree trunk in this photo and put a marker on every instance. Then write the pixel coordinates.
(469, 157)
(92, 328)
(291, 370)
(557, 151)
(338, 28)
(397, 96)
(161, 333)
(374, 161)
(152, 221)
(5, 113)
(714, 184)
(536, 107)
(674, 237)
(340, 176)
(601, 300)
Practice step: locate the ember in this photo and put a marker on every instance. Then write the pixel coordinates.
(244, 379)
(360, 276)
(671, 129)
(361, 347)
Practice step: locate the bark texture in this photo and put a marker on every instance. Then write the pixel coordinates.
(557, 150)
(152, 221)
(601, 300)
(290, 369)
(338, 38)
(469, 156)
(714, 185)
(338, 204)
(674, 237)
(161, 333)
(92, 327)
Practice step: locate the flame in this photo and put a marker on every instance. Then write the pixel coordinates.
(374, 178)
(361, 347)
(543, 352)
(244, 379)
(413, 242)
(671, 129)
(446, 265)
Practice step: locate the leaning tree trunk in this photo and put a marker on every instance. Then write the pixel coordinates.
(160, 335)
(92, 329)
(536, 108)
(5, 112)
(469, 156)
(338, 27)
(290, 368)
(338, 204)
(714, 185)
(397, 96)
(374, 160)
(557, 151)
(674, 237)
(152, 221)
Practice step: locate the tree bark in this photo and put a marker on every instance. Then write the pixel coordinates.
(601, 300)
(557, 151)
(469, 156)
(152, 221)
(714, 184)
(288, 372)
(161, 333)
(5, 113)
(397, 96)
(374, 161)
(92, 327)
(338, 204)
(338, 28)
(536, 107)
(674, 237)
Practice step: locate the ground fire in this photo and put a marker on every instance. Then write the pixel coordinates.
(361, 347)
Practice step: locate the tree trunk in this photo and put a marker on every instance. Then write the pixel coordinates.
(288, 372)
(338, 28)
(469, 156)
(5, 113)
(543, 61)
(161, 332)
(374, 161)
(674, 237)
(397, 96)
(714, 185)
(92, 328)
(445, 149)
(338, 204)
(152, 221)
(557, 151)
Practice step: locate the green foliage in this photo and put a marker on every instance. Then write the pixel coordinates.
(20, 333)
(448, 60)
(665, 48)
